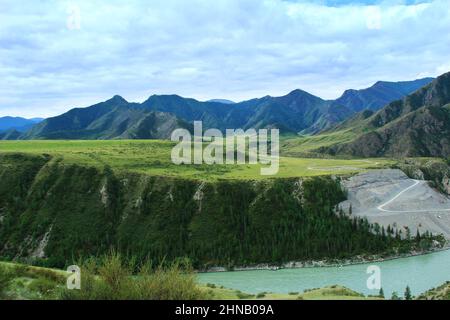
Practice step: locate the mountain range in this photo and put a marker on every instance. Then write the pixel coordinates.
(417, 125)
(159, 115)
(17, 123)
(11, 128)
(379, 95)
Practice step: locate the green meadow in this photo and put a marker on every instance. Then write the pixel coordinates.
(153, 157)
(305, 145)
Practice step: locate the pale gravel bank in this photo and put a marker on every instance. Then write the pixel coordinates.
(390, 198)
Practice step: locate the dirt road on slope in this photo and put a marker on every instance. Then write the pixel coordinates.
(389, 197)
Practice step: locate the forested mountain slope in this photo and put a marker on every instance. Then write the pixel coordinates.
(418, 125)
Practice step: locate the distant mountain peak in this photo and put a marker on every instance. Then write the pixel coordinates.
(117, 99)
(418, 81)
(17, 123)
(381, 83)
(300, 95)
(350, 92)
(223, 101)
(298, 92)
(380, 94)
(167, 97)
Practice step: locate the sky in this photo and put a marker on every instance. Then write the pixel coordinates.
(58, 54)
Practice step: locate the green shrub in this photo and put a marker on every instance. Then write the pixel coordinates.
(46, 274)
(112, 279)
(21, 270)
(43, 286)
(242, 295)
(6, 276)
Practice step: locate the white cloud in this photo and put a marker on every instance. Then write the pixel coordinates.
(234, 49)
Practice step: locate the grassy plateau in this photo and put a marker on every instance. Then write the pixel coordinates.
(153, 157)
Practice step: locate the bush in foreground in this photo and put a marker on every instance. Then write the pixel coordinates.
(113, 279)
(5, 281)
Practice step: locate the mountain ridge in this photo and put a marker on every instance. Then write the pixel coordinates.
(417, 125)
(296, 112)
(20, 124)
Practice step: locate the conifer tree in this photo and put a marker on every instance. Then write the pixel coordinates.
(408, 295)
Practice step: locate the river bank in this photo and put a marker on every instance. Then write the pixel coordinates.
(421, 273)
(357, 260)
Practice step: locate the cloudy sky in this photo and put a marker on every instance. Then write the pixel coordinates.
(57, 54)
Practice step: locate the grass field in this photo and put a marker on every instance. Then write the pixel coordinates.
(328, 293)
(300, 145)
(153, 157)
(29, 282)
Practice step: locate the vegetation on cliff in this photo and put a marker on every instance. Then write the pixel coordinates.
(440, 293)
(52, 212)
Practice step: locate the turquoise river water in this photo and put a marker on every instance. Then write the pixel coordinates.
(421, 273)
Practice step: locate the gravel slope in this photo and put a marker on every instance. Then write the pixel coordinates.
(389, 197)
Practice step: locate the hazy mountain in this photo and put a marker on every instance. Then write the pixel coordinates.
(112, 119)
(373, 98)
(418, 125)
(155, 125)
(296, 112)
(17, 123)
(225, 101)
(379, 95)
(292, 113)
(11, 134)
(211, 113)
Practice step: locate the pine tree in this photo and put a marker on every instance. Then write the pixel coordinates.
(408, 233)
(395, 296)
(408, 295)
(381, 294)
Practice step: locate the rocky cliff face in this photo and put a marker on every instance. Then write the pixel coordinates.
(436, 171)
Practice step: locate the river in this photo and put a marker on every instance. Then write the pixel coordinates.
(421, 273)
